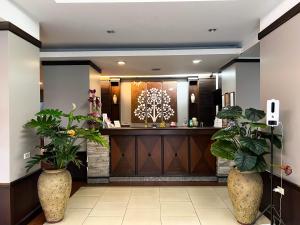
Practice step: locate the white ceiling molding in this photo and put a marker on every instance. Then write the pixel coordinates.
(277, 12)
(200, 75)
(164, 52)
(136, 1)
(11, 13)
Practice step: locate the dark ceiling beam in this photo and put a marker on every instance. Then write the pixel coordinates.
(7, 26)
(72, 63)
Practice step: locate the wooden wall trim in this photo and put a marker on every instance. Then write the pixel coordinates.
(7, 26)
(72, 63)
(19, 200)
(281, 20)
(290, 201)
(237, 60)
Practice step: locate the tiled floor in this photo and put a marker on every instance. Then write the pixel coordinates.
(150, 206)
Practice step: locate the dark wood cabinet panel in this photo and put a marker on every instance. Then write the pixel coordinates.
(176, 155)
(207, 111)
(122, 156)
(203, 163)
(149, 155)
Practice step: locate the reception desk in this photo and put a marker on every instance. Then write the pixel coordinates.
(157, 152)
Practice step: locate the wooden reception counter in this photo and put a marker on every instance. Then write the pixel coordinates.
(161, 152)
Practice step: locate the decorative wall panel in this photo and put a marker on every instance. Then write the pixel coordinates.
(154, 101)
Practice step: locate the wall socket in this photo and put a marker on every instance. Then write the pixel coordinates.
(27, 155)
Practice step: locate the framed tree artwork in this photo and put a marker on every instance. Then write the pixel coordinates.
(154, 101)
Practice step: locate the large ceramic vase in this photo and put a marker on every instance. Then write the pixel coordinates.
(245, 190)
(54, 189)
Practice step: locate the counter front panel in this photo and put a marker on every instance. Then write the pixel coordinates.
(161, 152)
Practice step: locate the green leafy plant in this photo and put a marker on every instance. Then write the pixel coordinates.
(63, 142)
(245, 140)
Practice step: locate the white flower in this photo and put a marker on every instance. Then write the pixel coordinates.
(74, 106)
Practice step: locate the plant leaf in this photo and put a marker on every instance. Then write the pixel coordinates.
(225, 133)
(257, 146)
(276, 138)
(231, 112)
(261, 165)
(244, 161)
(254, 114)
(223, 149)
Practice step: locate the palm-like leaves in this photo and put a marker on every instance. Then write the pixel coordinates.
(243, 140)
(61, 149)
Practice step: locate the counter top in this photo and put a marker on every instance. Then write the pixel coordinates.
(159, 131)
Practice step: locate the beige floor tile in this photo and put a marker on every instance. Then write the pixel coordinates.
(142, 217)
(200, 191)
(115, 197)
(177, 209)
(221, 191)
(146, 191)
(144, 202)
(103, 221)
(74, 217)
(209, 201)
(90, 191)
(216, 217)
(82, 202)
(109, 209)
(178, 220)
(173, 195)
(263, 220)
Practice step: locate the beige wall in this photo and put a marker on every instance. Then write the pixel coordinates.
(67, 84)
(20, 97)
(280, 79)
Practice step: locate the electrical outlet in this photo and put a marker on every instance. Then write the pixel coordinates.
(27, 155)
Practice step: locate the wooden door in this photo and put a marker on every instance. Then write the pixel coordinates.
(203, 163)
(149, 155)
(122, 156)
(176, 155)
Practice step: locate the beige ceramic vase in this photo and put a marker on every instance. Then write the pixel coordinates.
(245, 190)
(54, 189)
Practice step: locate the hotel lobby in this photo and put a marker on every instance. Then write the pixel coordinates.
(149, 112)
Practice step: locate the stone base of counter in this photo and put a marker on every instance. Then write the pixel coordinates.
(159, 179)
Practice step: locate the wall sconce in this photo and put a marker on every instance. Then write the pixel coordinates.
(193, 98)
(115, 99)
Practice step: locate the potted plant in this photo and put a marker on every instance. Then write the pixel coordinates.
(63, 142)
(245, 141)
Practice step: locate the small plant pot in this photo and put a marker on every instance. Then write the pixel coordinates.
(245, 191)
(54, 189)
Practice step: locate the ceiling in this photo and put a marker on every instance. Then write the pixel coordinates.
(169, 24)
(143, 65)
(172, 25)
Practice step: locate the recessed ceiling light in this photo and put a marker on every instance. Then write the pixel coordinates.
(196, 61)
(121, 63)
(212, 30)
(135, 1)
(110, 31)
(155, 69)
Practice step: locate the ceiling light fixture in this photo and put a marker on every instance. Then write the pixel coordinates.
(121, 63)
(212, 30)
(196, 61)
(156, 69)
(135, 1)
(110, 31)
